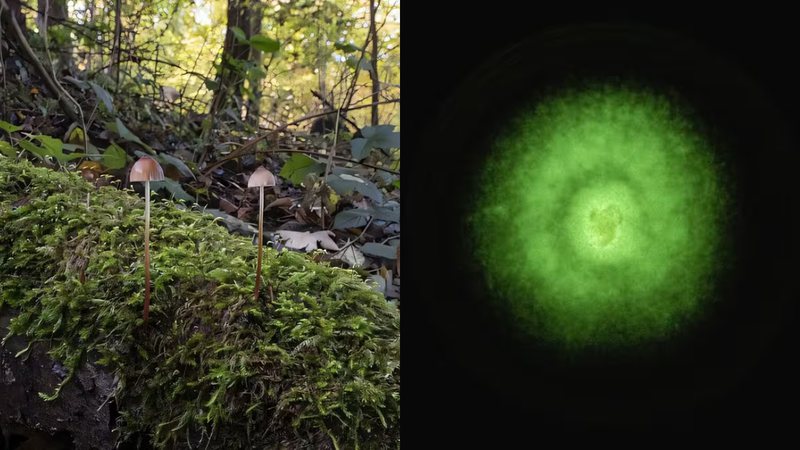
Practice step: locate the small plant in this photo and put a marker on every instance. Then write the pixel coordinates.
(145, 170)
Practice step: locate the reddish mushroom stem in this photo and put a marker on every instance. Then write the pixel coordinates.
(146, 250)
(146, 169)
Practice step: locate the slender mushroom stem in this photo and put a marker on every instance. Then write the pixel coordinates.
(146, 249)
(260, 178)
(145, 170)
(260, 238)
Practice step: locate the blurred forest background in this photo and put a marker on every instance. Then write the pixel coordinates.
(213, 89)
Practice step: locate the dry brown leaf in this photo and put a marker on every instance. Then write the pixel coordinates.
(227, 206)
(283, 202)
(244, 213)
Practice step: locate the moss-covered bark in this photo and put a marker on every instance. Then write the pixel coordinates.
(314, 363)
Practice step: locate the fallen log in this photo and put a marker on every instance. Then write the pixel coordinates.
(80, 418)
(314, 363)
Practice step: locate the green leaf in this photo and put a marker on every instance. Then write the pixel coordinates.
(115, 157)
(344, 184)
(173, 187)
(351, 218)
(359, 148)
(361, 63)
(212, 85)
(9, 128)
(382, 136)
(7, 149)
(179, 164)
(265, 44)
(103, 96)
(346, 47)
(379, 136)
(91, 151)
(33, 148)
(238, 33)
(386, 213)
(124, 133)
(53, 145)
(386, 178)
(50, 147)
(298, 166)
(357, 217)
(80, 83)
(379, 250)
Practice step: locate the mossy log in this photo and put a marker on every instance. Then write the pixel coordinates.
(314, 363)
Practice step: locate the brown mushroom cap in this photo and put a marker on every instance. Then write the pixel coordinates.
(90, 170)
(261, 177)
(147, 169)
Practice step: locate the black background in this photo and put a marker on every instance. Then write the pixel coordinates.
(467, 382)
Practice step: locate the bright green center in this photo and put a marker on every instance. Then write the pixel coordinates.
(598, 222)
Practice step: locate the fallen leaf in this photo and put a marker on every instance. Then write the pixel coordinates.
(227, 206)
(380, 284)
(232, 223)
(304, 240)
(352, 256)
(244, 213)
(379, 250)
(282, 202)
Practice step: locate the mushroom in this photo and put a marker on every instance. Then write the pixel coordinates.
(260, 178)
(146, 169)
(90, 171)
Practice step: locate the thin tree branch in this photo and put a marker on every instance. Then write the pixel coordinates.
(249, 146)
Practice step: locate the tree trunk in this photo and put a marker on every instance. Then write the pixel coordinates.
(230, 75)
(13, 8)
(50, 12)
(254, 103)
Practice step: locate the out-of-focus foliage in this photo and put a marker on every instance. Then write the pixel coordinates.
(177, 43)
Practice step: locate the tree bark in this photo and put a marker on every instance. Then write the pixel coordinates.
(79, 418)
(229, 76)
(49, 10)
(254, 103)
(13, 8)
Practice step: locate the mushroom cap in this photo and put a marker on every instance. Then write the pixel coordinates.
(147, 169)
(94, 166)
(90, 170)
(261, 177)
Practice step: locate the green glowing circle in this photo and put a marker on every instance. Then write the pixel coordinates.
(600, 218)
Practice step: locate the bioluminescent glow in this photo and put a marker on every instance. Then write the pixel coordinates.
(599, 221)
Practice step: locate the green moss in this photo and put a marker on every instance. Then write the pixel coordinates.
(313, 362)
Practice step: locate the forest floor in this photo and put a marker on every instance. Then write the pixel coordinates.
(325, 197)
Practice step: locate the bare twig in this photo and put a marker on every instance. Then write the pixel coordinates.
(249, 147)
(349, 244)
